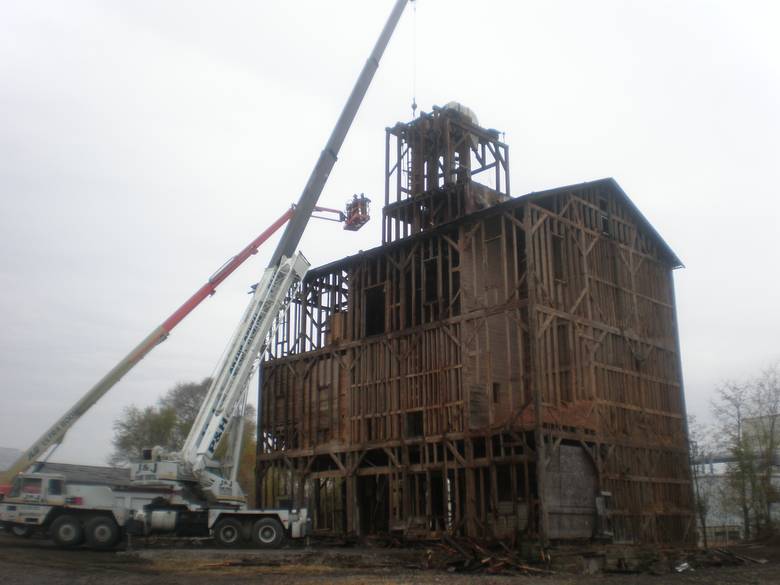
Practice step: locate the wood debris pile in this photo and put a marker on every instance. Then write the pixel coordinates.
(470, 556)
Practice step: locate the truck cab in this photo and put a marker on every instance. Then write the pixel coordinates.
(29, 501)
(36, 488)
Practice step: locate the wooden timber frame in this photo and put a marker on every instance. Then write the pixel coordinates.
(497, 368)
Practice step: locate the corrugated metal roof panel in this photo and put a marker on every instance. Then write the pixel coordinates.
(88, 473)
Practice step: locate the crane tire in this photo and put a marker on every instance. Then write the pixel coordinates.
(268, 533)
(21, 530)
(66, 531)
(228, 532)
(102, 532)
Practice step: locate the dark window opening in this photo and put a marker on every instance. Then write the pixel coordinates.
(426, 218)
(56, 487)
(564, 361)
(605, 225)
(604, 216)
(504, 483)
(564, 350)
(430, 280)
(557, 254)
(414, 424)
(373, 500)
(375, 310)
(480, 447)
(496, 392)
(492, 227)
(408, 298)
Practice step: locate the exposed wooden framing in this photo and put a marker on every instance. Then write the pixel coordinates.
(434, 383)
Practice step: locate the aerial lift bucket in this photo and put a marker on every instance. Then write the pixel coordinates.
(357, 213)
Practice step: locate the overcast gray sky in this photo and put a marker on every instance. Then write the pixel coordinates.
(143, 143)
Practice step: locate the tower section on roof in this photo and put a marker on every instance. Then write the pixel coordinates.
(438, 168)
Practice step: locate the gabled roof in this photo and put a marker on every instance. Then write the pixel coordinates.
(608, 183)
(612, 185)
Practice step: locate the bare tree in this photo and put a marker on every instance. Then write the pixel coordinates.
(763, 432)
(748, 416)
(697, 445)
(729, 408)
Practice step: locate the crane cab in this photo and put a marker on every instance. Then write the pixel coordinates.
(37, 488)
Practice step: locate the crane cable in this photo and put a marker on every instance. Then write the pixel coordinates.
(414, 57)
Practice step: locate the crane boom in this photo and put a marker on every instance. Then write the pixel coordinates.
(229, 383)
(319, 175)
(55, 433)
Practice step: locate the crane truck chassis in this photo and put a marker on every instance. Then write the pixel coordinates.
(72, 514)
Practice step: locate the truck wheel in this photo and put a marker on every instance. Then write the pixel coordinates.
(66, 531)
(21, 530)
(267, 533)
(102, 532)
(227, 532)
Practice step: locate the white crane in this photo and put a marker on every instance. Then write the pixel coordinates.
(224, 403)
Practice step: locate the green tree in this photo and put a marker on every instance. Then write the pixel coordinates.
(167, 424)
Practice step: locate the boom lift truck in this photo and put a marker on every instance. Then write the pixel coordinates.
(189, 493)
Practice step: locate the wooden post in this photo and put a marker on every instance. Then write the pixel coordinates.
(534, 382)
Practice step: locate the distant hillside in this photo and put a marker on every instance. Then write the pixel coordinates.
(8, 456)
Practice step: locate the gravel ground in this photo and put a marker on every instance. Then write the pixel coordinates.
(28, 562)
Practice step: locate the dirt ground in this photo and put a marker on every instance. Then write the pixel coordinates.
(34, 561)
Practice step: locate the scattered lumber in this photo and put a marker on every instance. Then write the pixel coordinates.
(743, 558)
(470, 555)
